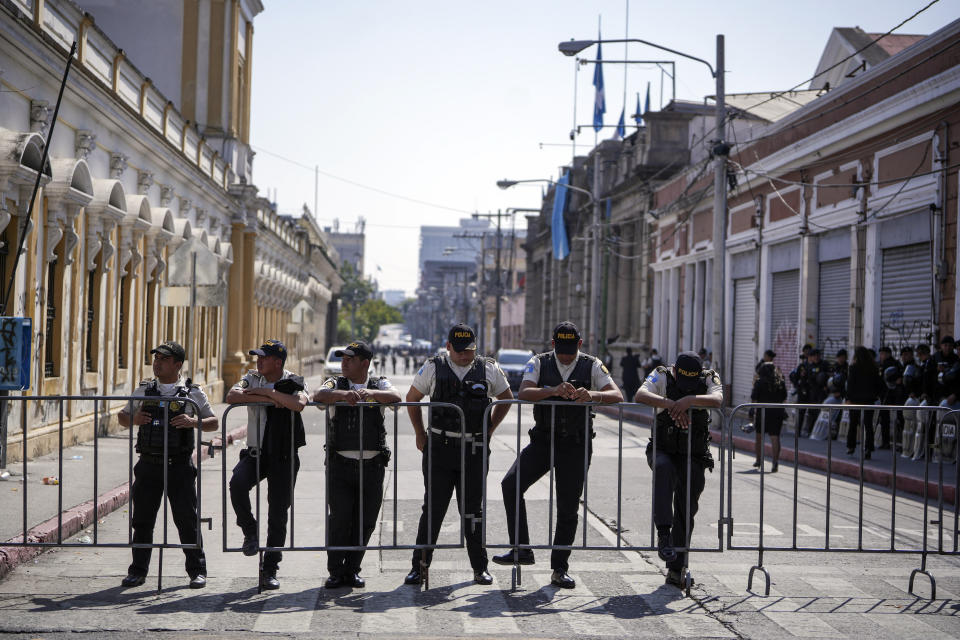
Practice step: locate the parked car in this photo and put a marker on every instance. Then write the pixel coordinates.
(513, 361)
(331, 367)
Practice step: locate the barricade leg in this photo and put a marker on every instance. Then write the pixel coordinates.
(923, 571)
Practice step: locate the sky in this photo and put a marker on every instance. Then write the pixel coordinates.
(413, 110)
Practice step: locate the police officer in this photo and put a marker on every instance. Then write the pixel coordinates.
(269, 436)
(468, 381)
(166, 437)
(818, 374)
(349, 455)
(567, 375)
(889, 395)
(673, 391)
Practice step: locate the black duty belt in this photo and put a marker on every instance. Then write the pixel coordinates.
(171, 460)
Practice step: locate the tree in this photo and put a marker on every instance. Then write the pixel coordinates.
(368, 318)
(354, 293)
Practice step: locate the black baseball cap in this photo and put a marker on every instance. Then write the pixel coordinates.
(566, 338)
(271, 348)
(462, 338)
(170, 348)
(842, 352)
(356, 349)
(947, 340)
(886, 349)
(770, 353)
(688, 368)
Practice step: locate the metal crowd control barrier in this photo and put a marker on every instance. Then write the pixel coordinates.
(588, 408)
(925, 415)
(96, 542)
(392, 407)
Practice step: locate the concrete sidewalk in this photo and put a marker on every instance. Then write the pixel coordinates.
(50, 512)
(822, 455)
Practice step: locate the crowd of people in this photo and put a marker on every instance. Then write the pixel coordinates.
(920, 376)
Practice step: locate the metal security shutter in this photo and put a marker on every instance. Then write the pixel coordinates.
(744, 349)
(833, 310)
(906, 315)
(784, 313)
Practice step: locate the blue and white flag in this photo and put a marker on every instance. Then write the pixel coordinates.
(599, 102)
(561, 247)
(638, 116)
(621, 126)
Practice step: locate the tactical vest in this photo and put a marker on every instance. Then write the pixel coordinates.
(180, 442)
(673, 440)
(345, 432)
(569, 423)
(277, 434)
(470, 394)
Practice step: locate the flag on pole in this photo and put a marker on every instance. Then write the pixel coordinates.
(621, 126)
(561, 247)
(646, 106)
(638, 116)
(599, 102)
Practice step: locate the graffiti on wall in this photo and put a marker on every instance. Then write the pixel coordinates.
(786, 347)
(897, 331)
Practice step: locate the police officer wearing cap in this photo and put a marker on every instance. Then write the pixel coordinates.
(567, 375)
(469, 381)
(349, 454)
(166, 435)
(274, 433)
(673, 391)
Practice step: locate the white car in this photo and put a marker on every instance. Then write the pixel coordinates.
(332, 368)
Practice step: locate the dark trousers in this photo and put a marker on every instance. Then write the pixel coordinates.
(883, 423)
(279, 496)
(670, 499)
(854, 429)
(146, 499)
(532, 464)
(343, 502)
(441, 457)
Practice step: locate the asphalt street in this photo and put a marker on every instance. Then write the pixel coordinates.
(619, 593)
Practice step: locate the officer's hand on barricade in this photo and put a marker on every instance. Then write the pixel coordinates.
(581, 395)
(352, 397)
(183, 421)
(363, 395)
(421, 437)
(566, 390)
(678, 411)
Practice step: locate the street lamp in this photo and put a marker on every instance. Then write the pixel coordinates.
(594, 311)
(720, 152)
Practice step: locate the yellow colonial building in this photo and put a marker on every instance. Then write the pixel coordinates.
(149, 155)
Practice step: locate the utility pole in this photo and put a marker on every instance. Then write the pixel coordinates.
(720, 152)
(595, 260)
(499, 215)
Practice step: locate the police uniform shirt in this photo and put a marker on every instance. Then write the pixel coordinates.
(257, 416)
(169, 390)
(599, 375)
(656, 383)
(426, 378)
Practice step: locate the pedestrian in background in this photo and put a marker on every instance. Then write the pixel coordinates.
(769, 387)
(630, 366)
(890, 371)
(864, 386)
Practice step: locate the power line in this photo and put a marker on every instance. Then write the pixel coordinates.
(775, 95)
(359, 185)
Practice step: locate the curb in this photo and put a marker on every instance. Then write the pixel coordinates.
(78, 518)
(880, 477)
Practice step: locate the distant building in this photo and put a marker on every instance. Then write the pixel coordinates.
(349, 244)
(393, 297)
